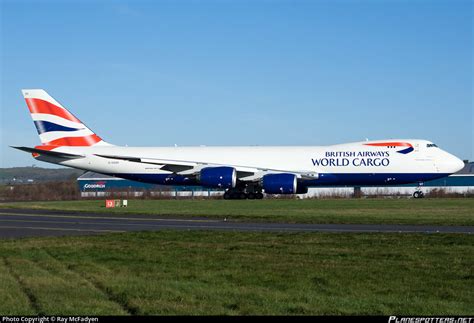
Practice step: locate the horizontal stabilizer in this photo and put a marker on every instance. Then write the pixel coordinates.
(50, 153)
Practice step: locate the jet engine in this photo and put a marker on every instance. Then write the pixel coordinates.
(280, 183)
(218, 177)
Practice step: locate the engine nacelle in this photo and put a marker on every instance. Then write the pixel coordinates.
(218, 177)
(280, 183)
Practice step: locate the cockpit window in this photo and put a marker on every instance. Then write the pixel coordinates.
(431, 145)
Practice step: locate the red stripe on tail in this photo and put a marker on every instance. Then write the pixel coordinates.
(42, 106)
(75, 141)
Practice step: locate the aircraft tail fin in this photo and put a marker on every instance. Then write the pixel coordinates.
(55, 124)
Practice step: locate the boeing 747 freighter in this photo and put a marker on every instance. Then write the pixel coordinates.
(243, 172)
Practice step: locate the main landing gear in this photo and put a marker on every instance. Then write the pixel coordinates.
(242, 194)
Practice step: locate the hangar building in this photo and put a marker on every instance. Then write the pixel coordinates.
(99, 185)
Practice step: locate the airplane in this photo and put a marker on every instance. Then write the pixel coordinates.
(243, 172)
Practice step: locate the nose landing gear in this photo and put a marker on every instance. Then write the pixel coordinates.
(418, 194)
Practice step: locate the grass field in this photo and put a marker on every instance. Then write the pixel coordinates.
(439, 211)
(178, 272)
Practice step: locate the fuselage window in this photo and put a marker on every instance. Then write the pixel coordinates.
(431, 145)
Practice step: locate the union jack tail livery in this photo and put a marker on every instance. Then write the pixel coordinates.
(57, 126)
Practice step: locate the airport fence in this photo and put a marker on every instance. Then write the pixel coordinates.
(49, 191)
(68, 190)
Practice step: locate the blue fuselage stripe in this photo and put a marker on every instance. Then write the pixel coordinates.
(325, 179)
(371, 179)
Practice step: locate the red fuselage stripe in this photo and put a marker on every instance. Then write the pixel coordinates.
(396, 144)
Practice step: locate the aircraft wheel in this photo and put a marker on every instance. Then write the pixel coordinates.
(242, 196)
(227, 196)
(418, 195)
(251, 196)
(259, 195)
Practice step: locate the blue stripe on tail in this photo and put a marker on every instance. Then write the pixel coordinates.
(46, 126)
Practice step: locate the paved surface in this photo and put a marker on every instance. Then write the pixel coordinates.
(15, 223)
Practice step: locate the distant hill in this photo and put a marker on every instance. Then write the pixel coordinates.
(37, 174)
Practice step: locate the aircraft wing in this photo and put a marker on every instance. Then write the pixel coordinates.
(190, 168)
(177, 166)
(173, 166)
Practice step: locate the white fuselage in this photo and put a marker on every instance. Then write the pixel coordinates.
(352, 158)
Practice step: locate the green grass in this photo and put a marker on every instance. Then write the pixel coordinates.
(195, 272)
(439, 211)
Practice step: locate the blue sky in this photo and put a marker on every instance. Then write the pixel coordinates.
(159, 73)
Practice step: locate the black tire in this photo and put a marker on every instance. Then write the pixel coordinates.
(259, 195)
(251, 196)
(417, 194)
(226, 196)
(242, 196)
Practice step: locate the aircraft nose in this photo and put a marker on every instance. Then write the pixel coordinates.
(452, 164)
(458, 164)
